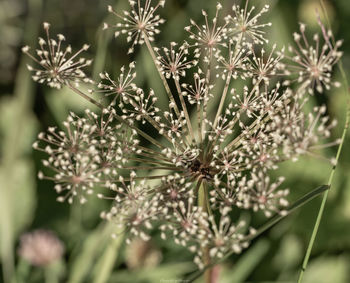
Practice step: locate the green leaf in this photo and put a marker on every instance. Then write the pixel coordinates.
(105, 264)
(247, 262)
(300, 202)
(92, 248)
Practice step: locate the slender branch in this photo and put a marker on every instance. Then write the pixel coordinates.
(88, 98)
(165, 83)
(223, 97)
(203, 202)
(205, 102)
(120, 119)
(184, 107)
(199, 121)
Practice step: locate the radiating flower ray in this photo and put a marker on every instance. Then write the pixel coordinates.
(134, 207)
(263, 194)
(209, 36)
(248, 103)
(224, 236)
(124, 85)
(235, 63)
(263, 69)
(314, 63)
(186, 224)
(245, 25)
(174, 63)
(140, 22)
(57, 66)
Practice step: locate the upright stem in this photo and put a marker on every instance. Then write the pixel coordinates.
(203, 202)
(324, 199)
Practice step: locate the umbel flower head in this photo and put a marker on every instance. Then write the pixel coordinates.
(140, 24)
(190, 167)
(246, 25)
(313, 64)
(57, 66)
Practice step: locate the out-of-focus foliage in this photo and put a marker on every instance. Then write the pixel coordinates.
(26, 204)
(11, 30)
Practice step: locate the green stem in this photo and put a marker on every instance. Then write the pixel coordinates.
(88, 98)
(223, 97)
(22, 271)
(50, 274)
(203, 201)
(161, 75)
(324, 199)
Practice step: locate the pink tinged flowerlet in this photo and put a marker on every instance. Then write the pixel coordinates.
(40, 247)
(245, 26)
(208, 37)
(313, 63)
(138, 24)
(56, 65)
(174, 63)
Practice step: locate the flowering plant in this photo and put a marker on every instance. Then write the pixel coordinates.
(190, 169)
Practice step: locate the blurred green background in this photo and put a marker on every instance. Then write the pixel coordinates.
(27, 108)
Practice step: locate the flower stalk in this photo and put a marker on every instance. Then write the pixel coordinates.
(330, 179)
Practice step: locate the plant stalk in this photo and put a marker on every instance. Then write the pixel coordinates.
(324, 199)
(203, 202)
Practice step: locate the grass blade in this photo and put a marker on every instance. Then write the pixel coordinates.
(323, 204)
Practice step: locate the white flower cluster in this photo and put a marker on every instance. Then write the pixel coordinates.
(190, 168)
